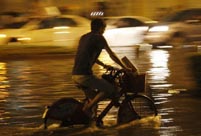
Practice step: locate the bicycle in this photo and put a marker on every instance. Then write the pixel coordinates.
(131, 103)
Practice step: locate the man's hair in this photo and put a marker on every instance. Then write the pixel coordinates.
(97, 23)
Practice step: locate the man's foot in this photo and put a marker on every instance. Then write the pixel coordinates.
(92, 122)
(99, 123)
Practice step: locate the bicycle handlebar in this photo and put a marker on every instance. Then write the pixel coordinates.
(112, 73)
(129, 79)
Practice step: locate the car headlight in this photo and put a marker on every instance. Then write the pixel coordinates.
(24, 39)
(3, 35)
(159, 29)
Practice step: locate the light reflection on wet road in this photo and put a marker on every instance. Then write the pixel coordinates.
(28, 85)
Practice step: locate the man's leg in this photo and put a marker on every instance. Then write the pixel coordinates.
(105, 89)
(94, 101)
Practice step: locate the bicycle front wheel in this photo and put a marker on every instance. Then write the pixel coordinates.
(143, 105)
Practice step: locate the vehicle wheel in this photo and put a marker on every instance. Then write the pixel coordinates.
(143, 106)
(126, 112)
(13, 41)
(177, 41)
(136, 107)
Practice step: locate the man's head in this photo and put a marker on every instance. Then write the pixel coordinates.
(98, 25)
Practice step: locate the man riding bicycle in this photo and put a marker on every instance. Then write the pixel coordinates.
(90, 46)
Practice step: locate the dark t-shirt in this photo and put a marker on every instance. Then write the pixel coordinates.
(90, 47)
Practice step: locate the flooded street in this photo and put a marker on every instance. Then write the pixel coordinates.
(28, 85)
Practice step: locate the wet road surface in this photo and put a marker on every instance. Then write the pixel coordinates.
(28, 84)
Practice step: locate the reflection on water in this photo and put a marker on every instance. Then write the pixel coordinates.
(27, 86)
(159, 70)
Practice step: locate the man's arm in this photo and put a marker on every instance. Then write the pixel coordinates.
(114, 57)
(100, 63)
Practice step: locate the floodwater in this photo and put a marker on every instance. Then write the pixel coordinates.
(27, 85)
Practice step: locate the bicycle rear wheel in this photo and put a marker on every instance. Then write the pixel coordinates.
(143, 105)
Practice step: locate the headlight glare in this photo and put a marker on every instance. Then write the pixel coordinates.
(159, 29)
(3, 35)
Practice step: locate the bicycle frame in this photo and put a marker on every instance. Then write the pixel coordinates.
(110, 105)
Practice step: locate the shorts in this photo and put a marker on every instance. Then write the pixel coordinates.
(95, 84)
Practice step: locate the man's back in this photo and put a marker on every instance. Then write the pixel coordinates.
(90, 47)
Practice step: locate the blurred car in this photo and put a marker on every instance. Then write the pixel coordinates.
(126, 30)
(176, 29)
(11, 16)
(62, 30)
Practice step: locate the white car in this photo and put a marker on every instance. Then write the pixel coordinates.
(177, 29)
(62, 30)
(126, 30)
